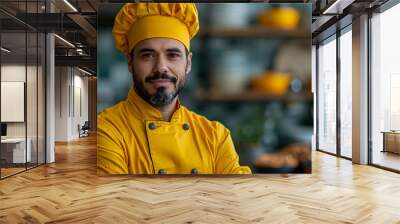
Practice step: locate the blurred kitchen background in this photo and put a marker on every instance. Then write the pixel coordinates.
(251, 71)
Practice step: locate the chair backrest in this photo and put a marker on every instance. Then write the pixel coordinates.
(86, 125)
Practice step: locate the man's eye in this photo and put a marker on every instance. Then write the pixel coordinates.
(147, 56)
(174, 55)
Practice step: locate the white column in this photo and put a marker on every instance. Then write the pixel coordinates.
(50, 93)
(360, 90)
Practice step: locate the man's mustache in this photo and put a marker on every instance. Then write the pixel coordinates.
(160, 76)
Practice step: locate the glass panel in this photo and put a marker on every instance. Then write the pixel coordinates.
(41, 99)
(22, 79)
(13, 87)
(385, 86)
(13, 91)
(327, 97)
(31, 98)
(32, 87)
(346, 94)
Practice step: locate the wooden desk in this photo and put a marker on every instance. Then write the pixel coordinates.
(13, 150)
(391, 141)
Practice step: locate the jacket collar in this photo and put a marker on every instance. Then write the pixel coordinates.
(145, 111)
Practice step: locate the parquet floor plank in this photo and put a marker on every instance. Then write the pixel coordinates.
(70, 191)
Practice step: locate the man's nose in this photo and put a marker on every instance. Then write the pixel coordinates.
(161, 65)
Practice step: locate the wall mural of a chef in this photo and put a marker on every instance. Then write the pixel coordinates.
(204, 88)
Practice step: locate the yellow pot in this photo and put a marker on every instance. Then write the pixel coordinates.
(283, 18)
(272, 83)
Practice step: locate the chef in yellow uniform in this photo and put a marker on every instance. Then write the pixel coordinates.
(151, 132)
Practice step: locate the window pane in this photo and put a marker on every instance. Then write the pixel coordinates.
(327, 97)
(386, 89)
(345, 94)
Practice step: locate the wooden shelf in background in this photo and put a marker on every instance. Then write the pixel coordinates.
(249, 96)
(255, 31)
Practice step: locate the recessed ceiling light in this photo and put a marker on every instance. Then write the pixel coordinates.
(70, 5)
(65, 41)
(84, 71)
(337, 7)
(5, 50)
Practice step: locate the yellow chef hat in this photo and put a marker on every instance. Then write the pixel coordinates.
(139, 21)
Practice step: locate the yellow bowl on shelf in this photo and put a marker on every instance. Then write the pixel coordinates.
(281, 18)
(274, 83)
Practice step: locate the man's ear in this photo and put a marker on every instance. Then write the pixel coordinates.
(129, 58)
(189, 63)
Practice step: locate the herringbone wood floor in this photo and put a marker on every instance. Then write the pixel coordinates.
(69, 191)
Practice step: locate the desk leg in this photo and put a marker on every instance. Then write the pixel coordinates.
(384, 142)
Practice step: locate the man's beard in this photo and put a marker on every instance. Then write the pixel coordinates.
(161, 97)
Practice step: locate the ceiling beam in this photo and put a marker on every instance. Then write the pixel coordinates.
(81, 61)
(337, 6)
(84, 24)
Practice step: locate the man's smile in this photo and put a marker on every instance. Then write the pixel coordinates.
(161, 82)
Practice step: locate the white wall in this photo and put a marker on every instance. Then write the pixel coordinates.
(71, 94)
(33, 126)
(62, 81)
(12, 73)
(80, 109)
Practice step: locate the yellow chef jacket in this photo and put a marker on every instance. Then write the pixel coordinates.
(132, 138)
